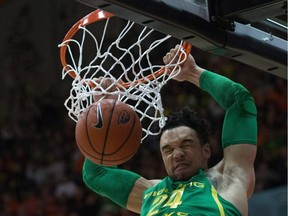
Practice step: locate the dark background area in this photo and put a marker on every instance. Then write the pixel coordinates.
(40, 165)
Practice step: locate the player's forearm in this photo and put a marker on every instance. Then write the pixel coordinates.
(240, 120)
(110, 182)
(194, 75)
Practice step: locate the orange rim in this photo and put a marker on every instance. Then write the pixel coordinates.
(96, 16)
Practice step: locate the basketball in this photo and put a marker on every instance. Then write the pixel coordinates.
(108, 132)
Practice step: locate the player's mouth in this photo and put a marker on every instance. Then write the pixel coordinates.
(182, 165)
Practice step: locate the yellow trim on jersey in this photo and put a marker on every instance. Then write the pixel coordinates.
(215, 197)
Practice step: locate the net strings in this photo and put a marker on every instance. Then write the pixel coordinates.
(144, 97)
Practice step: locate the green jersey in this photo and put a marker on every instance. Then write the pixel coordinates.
(194, 197)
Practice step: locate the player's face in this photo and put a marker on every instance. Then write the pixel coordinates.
(182, 152)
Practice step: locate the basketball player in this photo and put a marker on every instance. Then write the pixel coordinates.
(191, 188)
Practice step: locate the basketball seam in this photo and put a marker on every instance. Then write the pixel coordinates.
(133, 153)
(127, 156)
(125, 141)
(87, 130)
(107, 131)
(105, 160)
(91, 157)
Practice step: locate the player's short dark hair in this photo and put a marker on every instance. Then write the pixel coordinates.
(187, 117)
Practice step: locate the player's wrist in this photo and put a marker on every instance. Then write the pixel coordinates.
(195, 75)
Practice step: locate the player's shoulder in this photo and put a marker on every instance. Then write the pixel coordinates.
(155, 181)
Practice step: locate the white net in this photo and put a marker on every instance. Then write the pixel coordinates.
(128, 54)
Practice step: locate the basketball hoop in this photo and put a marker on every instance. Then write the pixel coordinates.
(130, 58)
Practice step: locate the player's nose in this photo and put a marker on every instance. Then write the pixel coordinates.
(178, 153)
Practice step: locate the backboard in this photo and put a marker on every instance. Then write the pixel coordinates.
(252, 32)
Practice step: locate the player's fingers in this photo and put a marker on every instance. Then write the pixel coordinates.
(98, 97)
(109, 84)
(170, 56)
(166, 58)
(103, 88)
(106, 84)
(97, 82)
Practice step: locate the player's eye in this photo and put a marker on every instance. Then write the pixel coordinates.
(167, 151)
(187, 144)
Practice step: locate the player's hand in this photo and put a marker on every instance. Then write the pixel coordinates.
(186, 67)
(190, 71)
(104, 85)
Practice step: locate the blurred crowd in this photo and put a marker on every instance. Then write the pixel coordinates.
(40, 164)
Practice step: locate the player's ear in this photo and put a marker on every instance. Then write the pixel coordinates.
(206, 151)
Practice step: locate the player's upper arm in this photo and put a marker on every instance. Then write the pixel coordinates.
(134, 202)
(239, 165)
